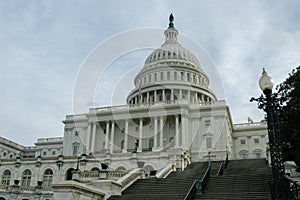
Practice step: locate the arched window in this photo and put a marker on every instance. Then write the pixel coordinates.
(121, 168)
(95, 169)
(151, 143)
(243, 154)
(48, 177)
(69, 174)
(148, 168)
(257, 153)
(161, 76)
(122, 144)
(6, 177)
(26, 178)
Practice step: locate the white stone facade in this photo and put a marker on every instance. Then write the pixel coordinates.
(171, 118)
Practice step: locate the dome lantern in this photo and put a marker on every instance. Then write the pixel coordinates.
(171, 33)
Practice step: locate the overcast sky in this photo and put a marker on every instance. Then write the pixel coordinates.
(44, 43)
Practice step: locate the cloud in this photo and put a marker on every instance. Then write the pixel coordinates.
(44, 43)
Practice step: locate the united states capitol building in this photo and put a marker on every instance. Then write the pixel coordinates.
(172, 118)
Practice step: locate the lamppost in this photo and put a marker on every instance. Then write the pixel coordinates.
(279, 187)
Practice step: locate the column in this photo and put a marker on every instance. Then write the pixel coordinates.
(140, 136)
(189, 97)
(163, 95)
(135, 99)
(161, 123)
(155, 134)
(180, 94)
(172, 95)
(125, 137)
(93, 137)
(148, 97)
(112, 137)
(88, 142)
(202, 98)
(196, 97)
(107, 135)
(176, 131)
(155, 96)
(183, 127)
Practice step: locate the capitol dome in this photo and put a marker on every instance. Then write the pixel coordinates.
(171, 73)
(172, 51)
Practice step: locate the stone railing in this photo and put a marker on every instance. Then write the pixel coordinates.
(86, 176)
(165, 171)
(26, 189)
(54, 139)
(4, 187)
(89, 175)
(144, 105)
(116, 174)
(131, 177)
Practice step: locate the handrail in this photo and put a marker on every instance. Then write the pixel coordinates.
(226, 162)
(221, 169)
(192, 191)
(294, 187)
(204, 180)
(197, 187)
(223, 166)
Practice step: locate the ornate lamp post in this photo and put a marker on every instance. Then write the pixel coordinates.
(279, 187)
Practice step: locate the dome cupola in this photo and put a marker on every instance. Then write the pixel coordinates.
(171, 73)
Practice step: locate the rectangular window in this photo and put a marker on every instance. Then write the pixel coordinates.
(207, 123)
(136, 129)
(161, 76)
(168, 75)
(256, 141)
(150, 78)
(182, 76)
(243, 141)
(155, 77)
(53, 153)
(75, 150)
(257, 155)
(188, 77)
(208, 143)
(145, 79)
(44, 153)
(175, 75)
(244, 156)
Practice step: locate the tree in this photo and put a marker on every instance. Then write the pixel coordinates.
(288, 95)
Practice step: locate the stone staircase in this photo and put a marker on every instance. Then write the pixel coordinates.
(175, 186)
(243, 179)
